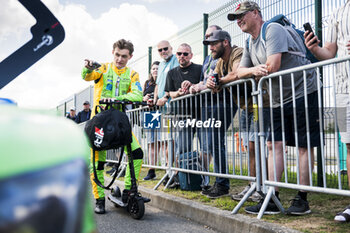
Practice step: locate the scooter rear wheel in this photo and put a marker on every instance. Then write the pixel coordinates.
(136, 208)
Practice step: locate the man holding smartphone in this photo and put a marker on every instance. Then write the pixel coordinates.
(114, 81)
(337, 43)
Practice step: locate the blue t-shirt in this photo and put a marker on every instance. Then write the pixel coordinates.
(208, 68)
(163, 69)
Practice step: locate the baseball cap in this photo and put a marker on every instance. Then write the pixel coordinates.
(86, 103)
(217, 35)
(242, 8)
(72, 108)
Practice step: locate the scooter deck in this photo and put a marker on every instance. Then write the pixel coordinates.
(117, 200)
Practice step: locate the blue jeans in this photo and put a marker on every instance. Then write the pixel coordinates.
(213, 139)
(183, 140)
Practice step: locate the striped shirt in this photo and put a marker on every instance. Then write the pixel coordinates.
(339, 32)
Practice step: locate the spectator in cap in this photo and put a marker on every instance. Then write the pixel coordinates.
(71, 115)
(208, 68)
(261, 58)
(242, 9)
(228, 56)
(84, 114)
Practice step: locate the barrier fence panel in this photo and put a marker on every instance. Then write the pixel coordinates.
(297, 122)
(205, 126)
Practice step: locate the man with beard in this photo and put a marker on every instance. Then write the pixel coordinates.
(208, 68)
(178, 82)
(219, 42)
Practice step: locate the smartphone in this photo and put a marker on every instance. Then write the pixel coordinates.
(95, 65)
(308, 27)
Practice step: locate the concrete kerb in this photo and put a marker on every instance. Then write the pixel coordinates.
(220, 220)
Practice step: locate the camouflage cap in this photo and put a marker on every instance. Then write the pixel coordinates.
(242, 8)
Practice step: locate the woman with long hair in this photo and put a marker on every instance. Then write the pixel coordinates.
(152, 138)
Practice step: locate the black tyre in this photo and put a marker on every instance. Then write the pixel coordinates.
(136, 208)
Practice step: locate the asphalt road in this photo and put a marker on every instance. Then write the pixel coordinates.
(155, 220)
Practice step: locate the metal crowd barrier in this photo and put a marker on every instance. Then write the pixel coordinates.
(326, 100)
(201, 112)
(156, 143)
(230, 158)
(163, 147)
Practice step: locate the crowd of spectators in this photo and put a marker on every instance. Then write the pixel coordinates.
(227, 63)
(280, 49)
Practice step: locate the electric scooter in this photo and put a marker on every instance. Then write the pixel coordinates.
(134, 203)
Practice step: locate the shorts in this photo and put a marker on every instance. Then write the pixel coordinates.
(289, 129)
(152, 134)
(249, 134)
(343, 116)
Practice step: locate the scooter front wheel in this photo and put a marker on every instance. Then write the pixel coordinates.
(136, 208)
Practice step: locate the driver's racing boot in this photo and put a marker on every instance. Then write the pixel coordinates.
(100, 206)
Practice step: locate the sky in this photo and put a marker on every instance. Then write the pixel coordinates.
(91, 28)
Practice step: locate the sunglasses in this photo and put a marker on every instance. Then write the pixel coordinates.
(165, 49)
(179, 54)
(240, 16)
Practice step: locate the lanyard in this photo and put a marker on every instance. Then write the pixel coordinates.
(209, 64)
(117, 87)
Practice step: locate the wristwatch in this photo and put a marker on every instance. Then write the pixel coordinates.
(167, 96)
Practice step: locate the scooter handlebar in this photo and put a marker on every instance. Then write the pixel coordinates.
(123, 102)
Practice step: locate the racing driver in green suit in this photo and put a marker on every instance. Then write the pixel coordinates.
(114, 81)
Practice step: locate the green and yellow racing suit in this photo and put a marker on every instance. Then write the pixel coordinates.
(121, 84)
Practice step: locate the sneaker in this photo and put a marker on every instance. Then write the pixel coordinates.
(100, 206)
(270, 209)
(207, 189)
(343, 216)
(150, 175)
(239, 196)
(218, 191)
(299, 207)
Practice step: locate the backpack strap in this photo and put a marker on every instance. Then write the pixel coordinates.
(96, 180)
(283, 23)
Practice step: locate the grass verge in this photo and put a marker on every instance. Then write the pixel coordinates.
(323, 206)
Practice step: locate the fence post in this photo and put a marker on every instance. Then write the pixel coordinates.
(205, 26)
(149, 59)
(318, 31)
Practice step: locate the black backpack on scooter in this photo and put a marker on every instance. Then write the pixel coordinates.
(109, 129)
